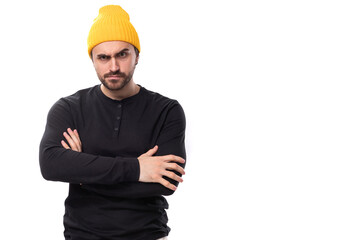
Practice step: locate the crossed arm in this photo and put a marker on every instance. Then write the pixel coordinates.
(150, 174)
(152, 168)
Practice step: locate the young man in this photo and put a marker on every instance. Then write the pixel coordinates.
(119, 145)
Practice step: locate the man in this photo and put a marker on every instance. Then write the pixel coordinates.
(119, 145)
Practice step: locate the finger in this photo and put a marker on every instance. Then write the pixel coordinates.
(71, 142)
(75, 138)
(175, 167)
(173, 176)
(63, 143)
(167, 184)
(152, 151)
(68, 139)
(173, 158)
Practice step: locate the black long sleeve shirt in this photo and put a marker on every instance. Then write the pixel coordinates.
(110, 203)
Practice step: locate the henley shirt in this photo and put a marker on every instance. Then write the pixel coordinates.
(106, 200)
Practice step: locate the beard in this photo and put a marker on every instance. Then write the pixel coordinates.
(116, 84)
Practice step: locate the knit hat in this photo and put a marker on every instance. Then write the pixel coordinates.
(112, 24)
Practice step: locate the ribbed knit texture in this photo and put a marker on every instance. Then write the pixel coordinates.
(112, 24)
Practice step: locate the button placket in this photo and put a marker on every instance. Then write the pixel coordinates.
(118, 117)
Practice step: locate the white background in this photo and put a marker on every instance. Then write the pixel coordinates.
(271, 94)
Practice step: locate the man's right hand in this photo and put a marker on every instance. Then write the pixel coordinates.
(153, 168)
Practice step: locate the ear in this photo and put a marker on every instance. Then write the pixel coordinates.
(137, 59)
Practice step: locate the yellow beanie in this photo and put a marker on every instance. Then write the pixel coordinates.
(112, 24)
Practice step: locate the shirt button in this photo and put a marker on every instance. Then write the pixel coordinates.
(118, 117)
(116, 129)
(119, 106)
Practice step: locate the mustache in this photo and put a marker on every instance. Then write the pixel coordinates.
(115, 74)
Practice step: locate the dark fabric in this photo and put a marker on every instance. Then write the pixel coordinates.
(110, 203)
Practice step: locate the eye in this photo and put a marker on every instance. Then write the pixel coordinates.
(103, 57)
(123, 54)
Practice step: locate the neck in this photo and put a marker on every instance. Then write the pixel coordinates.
(129, 90)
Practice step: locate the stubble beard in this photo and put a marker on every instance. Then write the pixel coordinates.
(118, 84)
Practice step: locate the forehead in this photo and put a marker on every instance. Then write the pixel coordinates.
(111, 47)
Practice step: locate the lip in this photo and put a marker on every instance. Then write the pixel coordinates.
(114, 77)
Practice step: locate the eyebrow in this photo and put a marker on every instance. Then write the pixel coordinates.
(124, 50)
(106, 55)
(102, 55)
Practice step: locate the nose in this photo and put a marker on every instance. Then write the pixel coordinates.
(114, 65)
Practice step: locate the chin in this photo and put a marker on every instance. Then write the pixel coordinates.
(118, 85)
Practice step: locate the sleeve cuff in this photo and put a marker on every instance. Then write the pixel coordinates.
(130, 169)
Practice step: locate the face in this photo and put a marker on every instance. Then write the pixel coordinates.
(114, 63)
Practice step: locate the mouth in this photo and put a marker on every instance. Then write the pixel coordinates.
(113, 77)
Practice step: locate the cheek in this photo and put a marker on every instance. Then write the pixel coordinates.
(100, 69)
(126, 68)
(129, 66)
